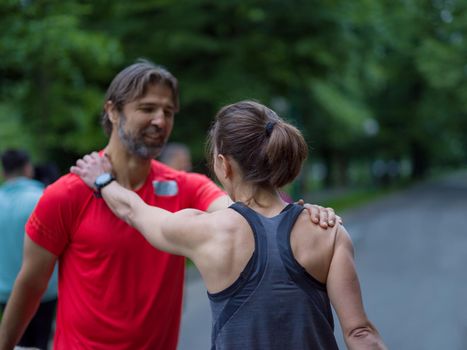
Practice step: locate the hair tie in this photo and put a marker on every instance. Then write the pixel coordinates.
(269, 127)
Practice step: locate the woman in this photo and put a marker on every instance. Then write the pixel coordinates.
(270, 273)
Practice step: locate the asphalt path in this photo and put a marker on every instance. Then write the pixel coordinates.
(411, 256)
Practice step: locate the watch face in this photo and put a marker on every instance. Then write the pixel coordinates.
(103, 179)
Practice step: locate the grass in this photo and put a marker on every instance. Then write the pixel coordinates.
(354, 198)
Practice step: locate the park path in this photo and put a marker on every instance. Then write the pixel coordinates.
(411, 255)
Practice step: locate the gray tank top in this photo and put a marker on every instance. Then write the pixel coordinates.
(275, 303)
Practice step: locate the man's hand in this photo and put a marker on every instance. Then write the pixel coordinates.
(324, 217)
(90, 167)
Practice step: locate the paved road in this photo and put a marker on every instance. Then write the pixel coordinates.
(411, 254)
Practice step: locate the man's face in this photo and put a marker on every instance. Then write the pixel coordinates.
(146, 123)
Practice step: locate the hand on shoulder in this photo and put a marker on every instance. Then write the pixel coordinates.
(90, 167)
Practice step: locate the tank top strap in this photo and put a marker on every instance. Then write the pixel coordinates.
(249, 214)
(296, 271)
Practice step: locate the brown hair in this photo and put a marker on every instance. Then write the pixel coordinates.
(132, 83)
(268, 150)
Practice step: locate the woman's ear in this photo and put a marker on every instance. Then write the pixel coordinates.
(111, 112)
(225, 165)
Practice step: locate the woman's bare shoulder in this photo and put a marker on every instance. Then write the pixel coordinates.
(224, 221)
(313, 246)
(310, 230)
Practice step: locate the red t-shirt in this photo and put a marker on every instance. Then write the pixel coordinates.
(115, 290)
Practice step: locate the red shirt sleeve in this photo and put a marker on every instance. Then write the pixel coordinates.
(200, 191)
(52, 221)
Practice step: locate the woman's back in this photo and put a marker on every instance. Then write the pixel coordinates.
(274, 303)
(271, 275)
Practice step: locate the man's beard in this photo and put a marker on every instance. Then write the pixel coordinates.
(135, 144)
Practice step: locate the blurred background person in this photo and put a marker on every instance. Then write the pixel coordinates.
(18, 197)
(176, 156)
(46, 173)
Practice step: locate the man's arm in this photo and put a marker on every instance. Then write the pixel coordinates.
(344, 292)
(32, 280)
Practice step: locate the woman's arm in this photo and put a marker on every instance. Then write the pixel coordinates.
(345, 295)
(177, 233)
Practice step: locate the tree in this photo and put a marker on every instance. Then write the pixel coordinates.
(51, 75)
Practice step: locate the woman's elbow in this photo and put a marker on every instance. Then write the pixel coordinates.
(364, 337)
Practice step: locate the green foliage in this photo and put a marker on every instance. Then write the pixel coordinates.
(363, 79)
(11, 133)
(50, 77)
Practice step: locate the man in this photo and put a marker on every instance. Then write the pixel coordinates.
(116, 291)
(18, 197)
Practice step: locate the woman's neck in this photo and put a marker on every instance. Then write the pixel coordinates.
(266, 201)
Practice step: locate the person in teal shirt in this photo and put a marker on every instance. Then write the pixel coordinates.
(18, 197)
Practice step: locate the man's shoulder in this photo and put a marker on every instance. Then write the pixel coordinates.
(69, 185)
(21, 191)
(21, 184)
(31, 184)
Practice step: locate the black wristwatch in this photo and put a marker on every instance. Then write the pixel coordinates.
(101, 181)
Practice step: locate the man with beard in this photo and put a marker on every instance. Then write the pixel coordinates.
(115, 290)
